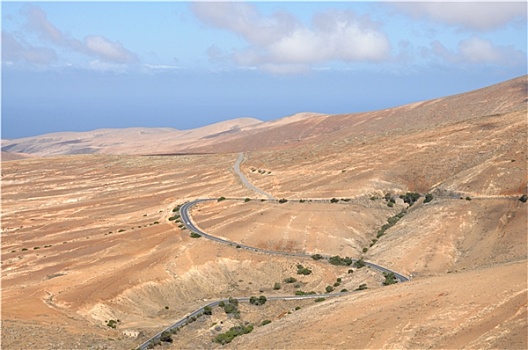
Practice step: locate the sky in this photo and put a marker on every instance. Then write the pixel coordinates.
(80, 66)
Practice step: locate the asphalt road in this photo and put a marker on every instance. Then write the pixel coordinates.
(245, 181)
(187, 221)
(183, 321)
(186, 218)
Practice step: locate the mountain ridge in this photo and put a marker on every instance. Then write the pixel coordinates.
(248, 134)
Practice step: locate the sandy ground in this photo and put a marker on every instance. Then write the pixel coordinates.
(86, 239)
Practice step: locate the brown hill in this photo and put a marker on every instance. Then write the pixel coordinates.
(86, 238)
(247, 134)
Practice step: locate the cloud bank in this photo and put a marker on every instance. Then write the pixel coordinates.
(280, 43)
(481, 16)
(95, 46)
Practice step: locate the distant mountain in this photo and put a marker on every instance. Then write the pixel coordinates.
(122, 141)
(247, 134)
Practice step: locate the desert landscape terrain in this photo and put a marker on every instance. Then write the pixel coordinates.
(95, 256)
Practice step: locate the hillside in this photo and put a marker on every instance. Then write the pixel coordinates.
(87, 238)
(248, 134)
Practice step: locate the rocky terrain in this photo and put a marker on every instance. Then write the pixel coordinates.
(86, 238)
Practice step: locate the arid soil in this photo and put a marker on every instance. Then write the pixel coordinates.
(86, 238)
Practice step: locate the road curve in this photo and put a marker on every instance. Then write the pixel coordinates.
(245, 181)
(186, 218)
(183, 321)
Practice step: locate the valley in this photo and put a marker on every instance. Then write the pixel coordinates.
(86, 238)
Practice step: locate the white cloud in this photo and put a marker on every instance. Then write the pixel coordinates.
(92, 45)
(15, 50)
(280, 40)
(468, 15)
(107, 50)
(476, 50)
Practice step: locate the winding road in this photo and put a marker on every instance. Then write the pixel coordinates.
(245, 181)
(189, 224)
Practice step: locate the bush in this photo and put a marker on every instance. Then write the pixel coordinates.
(230, 308)
(207, 310)
(112, 324)
(523, 198)
(317, 256)
(390, 204)
(221, 199)
(290, 280)
(195, 235)
(265, 322)
(283, 200)
(334, 200)
(257, 301)
(300, 292)
(276, 286)
(344, 290)
(318, 300)
(410, 197)
(359, 263)
(428, 198)
(389, 278)
(301, 270)
(365, 250)
(362, 286)
(329, 289)
(337, 260)
(247, 200)
(225, 338)
(468, 198)
(166, 337)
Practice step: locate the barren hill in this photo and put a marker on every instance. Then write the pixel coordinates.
(87, 238)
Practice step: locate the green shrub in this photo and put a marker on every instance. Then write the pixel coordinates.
(300, 292)
(230, 308)
(221, 199)
(265, 322)
(329, 289)
(301, 270)
(428, 198)
(276, 286)
(337, 260)
(283, 200)
(257, 301)
(334, 200)
(112, 323)
(362, 286)
(290, 280)
(166, 337)
(523, 198)
(389, 278)
(410, 197)
(318, 300)
(359, 263)
(225, 338)
(365, 250)
(207, 310)
(468, 198)
(344, 290)
(390, 204)
(195, 235)
(317, 256)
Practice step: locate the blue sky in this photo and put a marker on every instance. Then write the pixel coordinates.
(76, 66)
